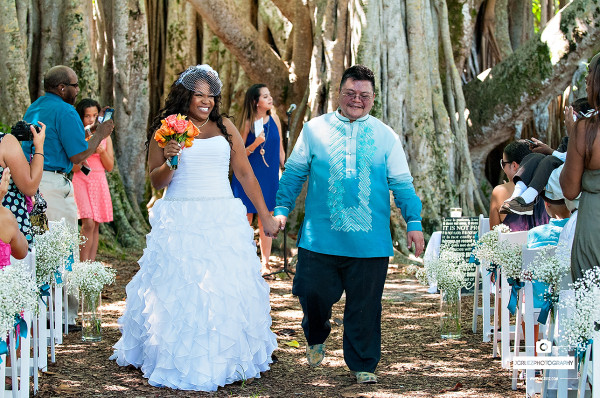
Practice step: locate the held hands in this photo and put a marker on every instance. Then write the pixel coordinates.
(271, 226)
(540, 147)
(419, 241)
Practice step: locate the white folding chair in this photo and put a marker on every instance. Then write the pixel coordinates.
(506, 331)
(527, 316)
(21, 367)
(486, 280)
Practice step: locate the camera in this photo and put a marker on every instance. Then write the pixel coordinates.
(22, 132)
(543, 346)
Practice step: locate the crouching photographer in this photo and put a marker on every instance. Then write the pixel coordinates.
(25, 175)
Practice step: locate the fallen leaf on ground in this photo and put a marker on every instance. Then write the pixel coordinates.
(293, 343)
(456, 387)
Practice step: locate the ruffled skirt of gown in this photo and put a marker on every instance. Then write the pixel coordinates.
(198, 313)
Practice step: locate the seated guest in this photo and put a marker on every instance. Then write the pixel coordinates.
(512, 156)
(536, 168)
(548, 234)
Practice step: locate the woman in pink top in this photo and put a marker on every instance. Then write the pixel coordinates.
(94, 205)
(12, 240)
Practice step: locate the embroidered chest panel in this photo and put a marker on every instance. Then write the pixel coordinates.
(350, 160)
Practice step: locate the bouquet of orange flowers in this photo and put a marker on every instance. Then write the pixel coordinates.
(176, 127)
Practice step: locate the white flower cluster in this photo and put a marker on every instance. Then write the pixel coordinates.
(486, 248)
(89, 278)
(509, 256)
(582, 310)
(52, 248)
(550, 268)
(448, 271)
(19, 293)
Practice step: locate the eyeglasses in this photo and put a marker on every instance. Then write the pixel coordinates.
(76, 84)
(361, 96)
(504, 163)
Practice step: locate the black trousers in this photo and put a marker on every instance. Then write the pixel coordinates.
(535, 170)
(319, 283)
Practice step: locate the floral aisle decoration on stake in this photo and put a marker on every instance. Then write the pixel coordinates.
(448, 271)
(53, 253)
(89, 278)
(549, 267)
(19, 293)
(486, 248)
(509, 257)
(582, 312)
(176, 127)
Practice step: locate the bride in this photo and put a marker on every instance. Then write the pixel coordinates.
(197, 314)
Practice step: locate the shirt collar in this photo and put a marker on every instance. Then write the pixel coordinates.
(346, 120)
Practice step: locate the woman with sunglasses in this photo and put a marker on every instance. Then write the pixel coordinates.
(512, 156)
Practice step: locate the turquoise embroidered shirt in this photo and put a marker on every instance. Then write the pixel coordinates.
(351, 167)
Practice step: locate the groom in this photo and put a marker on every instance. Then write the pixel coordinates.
(353, 161)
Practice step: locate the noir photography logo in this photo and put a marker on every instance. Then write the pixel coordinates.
(543, 347)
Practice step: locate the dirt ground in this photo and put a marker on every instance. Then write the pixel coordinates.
(415, 362)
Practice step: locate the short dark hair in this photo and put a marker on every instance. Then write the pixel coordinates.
(84, 104)
(56, 75)
(516, 151)
(581, 105)
(358, 72)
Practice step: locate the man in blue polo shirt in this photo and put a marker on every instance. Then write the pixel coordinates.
(65, 140)
(352, 161)
(65, 145)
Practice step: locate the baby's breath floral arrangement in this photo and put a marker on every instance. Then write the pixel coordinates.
(52, 249)
(89, 278)
(448, 271)
(549, 266)
(19, 293)
(486, 248)
(583, 312)
(509, 256)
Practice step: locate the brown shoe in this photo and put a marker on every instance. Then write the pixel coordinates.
(517, 206)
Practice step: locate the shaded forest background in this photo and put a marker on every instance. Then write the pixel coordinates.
(456, 79)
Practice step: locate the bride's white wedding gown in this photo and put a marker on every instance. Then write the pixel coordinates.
(198, 313)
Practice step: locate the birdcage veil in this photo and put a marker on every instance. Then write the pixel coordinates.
(201, 73)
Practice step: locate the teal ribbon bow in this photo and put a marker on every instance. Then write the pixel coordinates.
(70, 262)
(581, 349)
(514, 294)
(549, 301)
(20, 329)
(3, 349)
(472, 258)
(44, 292)
(58, 277)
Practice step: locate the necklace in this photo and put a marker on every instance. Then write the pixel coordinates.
(202, 125)
(262, 146)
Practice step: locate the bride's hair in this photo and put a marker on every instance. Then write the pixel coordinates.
(178, 101)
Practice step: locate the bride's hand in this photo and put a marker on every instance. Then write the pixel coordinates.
(171, 149)
(271, 226)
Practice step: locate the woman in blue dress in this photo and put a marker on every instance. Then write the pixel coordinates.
(261, 132)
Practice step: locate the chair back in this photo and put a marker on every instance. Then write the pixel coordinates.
(519, 237)
(484, 225)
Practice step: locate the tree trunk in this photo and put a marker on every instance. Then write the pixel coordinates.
(536, 72)
(131, 94)
(14, 97)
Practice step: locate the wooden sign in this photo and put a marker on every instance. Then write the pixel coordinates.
(459, 233)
